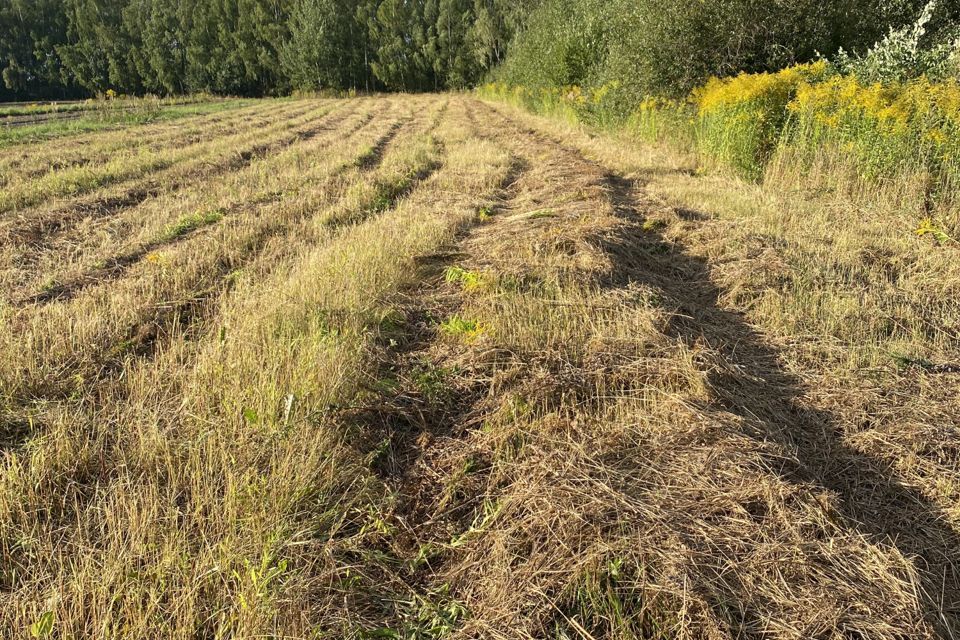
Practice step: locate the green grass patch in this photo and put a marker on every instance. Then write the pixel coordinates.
(190, 222)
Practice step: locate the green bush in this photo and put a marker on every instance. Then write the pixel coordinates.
(669, 47)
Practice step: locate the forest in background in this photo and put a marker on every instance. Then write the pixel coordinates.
(79, 48)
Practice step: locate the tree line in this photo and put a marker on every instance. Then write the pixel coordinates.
(668, 47)
(67, 48)
(75, 48)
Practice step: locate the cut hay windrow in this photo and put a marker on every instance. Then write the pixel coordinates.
(261, 202)
(879, 520)
(429, 368)
(129, 165)
(57, 242)
(34, 160)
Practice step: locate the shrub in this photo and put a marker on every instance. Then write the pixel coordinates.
(907, 52)
(669, 47)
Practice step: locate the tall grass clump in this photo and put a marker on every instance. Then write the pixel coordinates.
(572, 103)
(665, 120)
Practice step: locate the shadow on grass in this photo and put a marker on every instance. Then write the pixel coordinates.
(758, 388)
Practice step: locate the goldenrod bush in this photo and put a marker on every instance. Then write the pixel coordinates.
(886, 130)
(741, 119)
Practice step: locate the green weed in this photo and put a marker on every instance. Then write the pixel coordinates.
(653, 225)
(928, 227)
(469, 280)
(462, 328)
(259, 578)
(432, 616)
(190, 222)
(433, 381)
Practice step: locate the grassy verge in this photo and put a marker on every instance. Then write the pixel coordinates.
(808, 127)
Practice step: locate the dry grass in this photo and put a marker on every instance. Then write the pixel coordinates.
(422, 367)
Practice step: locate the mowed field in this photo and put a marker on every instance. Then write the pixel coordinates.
(427, 367)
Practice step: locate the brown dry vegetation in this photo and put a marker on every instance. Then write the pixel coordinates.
(428, 367)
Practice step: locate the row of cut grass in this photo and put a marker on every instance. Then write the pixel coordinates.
(240, 504)
(278, 196)
(107, 122)
(132, 163)
(34, 159)
(614, 472)
(163, 218)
